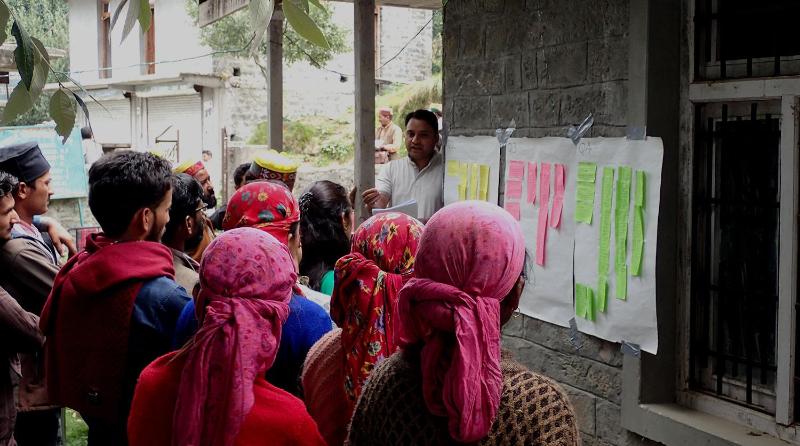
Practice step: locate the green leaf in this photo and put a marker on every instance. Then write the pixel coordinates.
(303, 25)
(260, 15)
(304, 5)
(117, 13)
(23, 99)
(134, 6)
(23, 54)
(4, 16)
(317, 4)
(84, 108)
(63, 111)
(144, 15)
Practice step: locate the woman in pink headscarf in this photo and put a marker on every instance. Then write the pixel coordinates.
(449, 383)
(213, 392)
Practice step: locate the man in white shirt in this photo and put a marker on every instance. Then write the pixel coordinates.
(418, 177)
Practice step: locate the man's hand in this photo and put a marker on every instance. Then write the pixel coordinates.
(60, 236)
(374, 199)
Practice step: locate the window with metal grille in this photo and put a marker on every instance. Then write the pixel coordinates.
(734, 299)
(746, 38)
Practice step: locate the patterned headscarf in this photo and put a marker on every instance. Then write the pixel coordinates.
(364, 298)
(246, 280)
(264, 205)
(470, 256)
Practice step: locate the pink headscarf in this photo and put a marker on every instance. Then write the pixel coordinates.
(470, 256)
(246, 280)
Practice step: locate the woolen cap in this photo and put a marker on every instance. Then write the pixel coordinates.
(25, 161)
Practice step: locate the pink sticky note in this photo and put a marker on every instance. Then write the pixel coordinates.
(532, 183)
(558, 197)
(516, 170)
(544, 202)
(514, 189)
(513, 209)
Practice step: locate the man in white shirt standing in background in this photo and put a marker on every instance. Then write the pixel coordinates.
(417, 177)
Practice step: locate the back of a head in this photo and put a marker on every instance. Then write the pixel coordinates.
(474, 246)
(239, 174)
(424, 115)
(124, 182)
(390, 240)
(322, 233)
(8, 183)
(186, 194)
(86, 133)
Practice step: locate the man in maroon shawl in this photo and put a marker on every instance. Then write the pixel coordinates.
(113, 306)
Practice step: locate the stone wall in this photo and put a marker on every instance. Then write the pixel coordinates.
(397, 27)
(69, 211)
(245, 99)
(546, 64)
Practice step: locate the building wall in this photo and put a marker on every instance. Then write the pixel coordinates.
(546, 64)
(398, 26)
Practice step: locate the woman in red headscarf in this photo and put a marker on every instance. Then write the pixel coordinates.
(212, 392)
(363, 304)
(449, 383)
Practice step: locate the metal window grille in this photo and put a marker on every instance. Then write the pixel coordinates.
(746, 38)
(734, 299)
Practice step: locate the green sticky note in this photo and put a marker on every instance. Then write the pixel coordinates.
(602, 293)
(640, 188)
(580, 300)
(586, 172)
(638, 241)
(605, 220)
(584, 202)
(622, 282)
(621, 215)
(590, 307)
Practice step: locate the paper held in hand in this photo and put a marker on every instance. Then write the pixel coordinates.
(409, 208)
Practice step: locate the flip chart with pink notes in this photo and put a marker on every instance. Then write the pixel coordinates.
(539, 188)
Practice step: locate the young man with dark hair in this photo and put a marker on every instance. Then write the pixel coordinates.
(419, 176)
(113, 307)
(185, 228)
(19, 329)
(238, 181)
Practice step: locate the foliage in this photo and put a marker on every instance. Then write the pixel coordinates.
(77, 431)
(233, 32)
(407, 98)
(297, 135)
(336, 151)
(316, 138)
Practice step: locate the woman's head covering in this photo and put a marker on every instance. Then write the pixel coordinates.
(246, 279)
(264, 205)
(272, 165)
(470, 256)
(364, 299)
(190, 168)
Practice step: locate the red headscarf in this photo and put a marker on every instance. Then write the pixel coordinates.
(470, 256)
(264, 205)
(246, 280)
(365, 295)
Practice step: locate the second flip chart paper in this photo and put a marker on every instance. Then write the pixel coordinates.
(608, 248)
(549, 290)
(482, 151)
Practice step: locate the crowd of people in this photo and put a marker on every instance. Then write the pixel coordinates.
(267, 319)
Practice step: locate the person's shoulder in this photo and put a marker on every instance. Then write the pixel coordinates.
(308, 308)
(12, 249)
(165, 290)
(327, 349)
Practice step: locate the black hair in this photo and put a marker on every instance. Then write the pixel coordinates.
(186, 194)
(207, 152)
(322, 233)
(124, 182)
(8, 184)
(86, 132)
(424, 115)
(239, 173)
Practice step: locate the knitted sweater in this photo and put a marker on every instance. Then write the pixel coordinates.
(323, 388)
(391, 410)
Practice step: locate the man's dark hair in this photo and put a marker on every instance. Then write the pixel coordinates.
(86, 132)
(124, 182)
(186, 194)
(239, 173)
(8, 184)
(424, 115)
(207, 152)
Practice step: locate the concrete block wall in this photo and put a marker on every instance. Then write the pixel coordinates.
(398, 26)
(546, 64)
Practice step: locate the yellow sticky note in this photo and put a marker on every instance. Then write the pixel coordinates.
(484, 189)
(474, 180)
(462, 192)
(453, 167)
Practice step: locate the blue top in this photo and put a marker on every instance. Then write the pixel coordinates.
(306, 324)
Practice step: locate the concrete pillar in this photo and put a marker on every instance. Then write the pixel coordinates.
(364, 37)
(276, 80)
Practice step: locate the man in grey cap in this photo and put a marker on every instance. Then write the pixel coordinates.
(30, 263)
